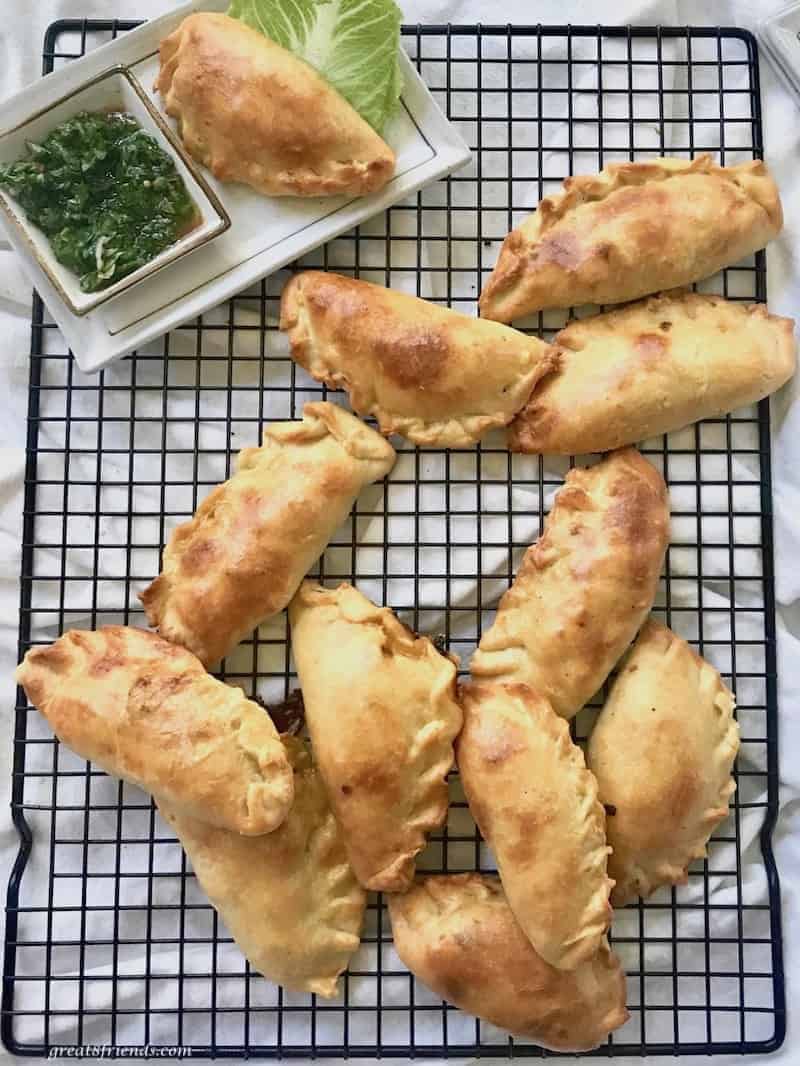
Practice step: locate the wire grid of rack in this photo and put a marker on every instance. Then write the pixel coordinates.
(109, 941)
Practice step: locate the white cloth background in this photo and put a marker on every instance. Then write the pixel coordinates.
(21, 31)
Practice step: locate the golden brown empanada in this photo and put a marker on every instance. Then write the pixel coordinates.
(653, 367)
(251, 111)
(382, 712)
(255, 537)
(632, 229)
(146, 710)
(429, 373)
(536, 805)
(662, 750)
(458, 935)
(584, 587)
(290, 899)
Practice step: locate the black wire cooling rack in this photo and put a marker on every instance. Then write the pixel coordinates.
(109, 942)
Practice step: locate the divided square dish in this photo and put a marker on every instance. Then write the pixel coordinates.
(113, 90)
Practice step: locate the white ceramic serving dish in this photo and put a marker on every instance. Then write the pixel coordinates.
(265, 233)
(113, 90)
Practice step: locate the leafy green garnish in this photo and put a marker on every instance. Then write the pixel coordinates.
(353, 43)
(105, 195)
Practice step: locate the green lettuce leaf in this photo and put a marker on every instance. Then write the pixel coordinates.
(352, 43)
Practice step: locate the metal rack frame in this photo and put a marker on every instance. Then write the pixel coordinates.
(225, 363)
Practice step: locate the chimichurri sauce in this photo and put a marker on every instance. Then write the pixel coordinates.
(104, 193)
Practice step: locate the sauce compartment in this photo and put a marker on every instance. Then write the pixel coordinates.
(114, 90)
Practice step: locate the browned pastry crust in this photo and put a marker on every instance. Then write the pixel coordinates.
(255, 537)
(653, 367)
(662, 749)
(458, 935)
(584, 587)
(429, 373)
(145, 710)
(251, 111)
(536, 805)
(289, 899)
(382, 712)
(633, 229)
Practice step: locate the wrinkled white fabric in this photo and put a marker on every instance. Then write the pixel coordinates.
(21, 32)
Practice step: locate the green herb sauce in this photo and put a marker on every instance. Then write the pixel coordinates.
(104, 193)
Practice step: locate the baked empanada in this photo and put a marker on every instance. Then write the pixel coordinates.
(458, 935)
(662, 750)
(633, 229)
(146, 711)
(251, 111)
(584, 587)
(255, 537)
(382, 712)
(289, 899)
(653, 367)
(429, 373)
(536, 805)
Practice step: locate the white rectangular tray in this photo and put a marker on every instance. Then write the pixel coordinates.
(265, 234)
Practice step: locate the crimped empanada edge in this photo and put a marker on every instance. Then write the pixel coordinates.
(467, 429)
(455, 432)
(322, 418)
(435, 899)
(582, 188)
(641, 882)
(344, 941)
(595, 918)
(775, 369)
(597, 914)
(500, 656)
(435, 754)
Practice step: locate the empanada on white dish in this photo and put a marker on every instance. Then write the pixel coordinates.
(584, 587)
(255, 537)
(145, 710)
(382, 712)
(536, 805)
(429, 373)
(653, 367)
(458, 935)
(662, 750)
(251, 111)
(633, 229)
(289, 899)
